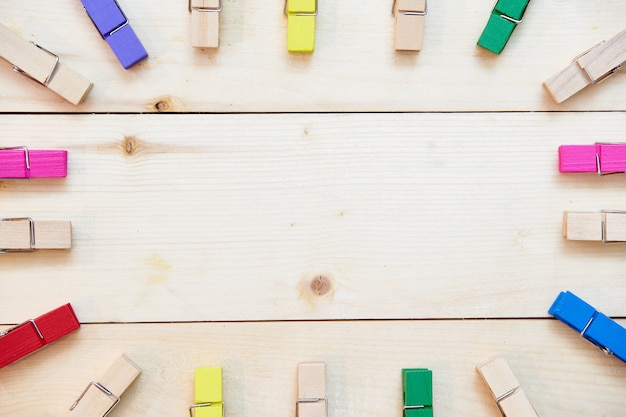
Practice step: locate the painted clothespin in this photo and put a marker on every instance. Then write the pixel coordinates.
(597, 328)
(409, 16)
(100, 396)
(417, 392)
(23, 234)
(300, 25)
(603, 158)
(205, 23)
(24, 339)
(505, 389)
(504, 18)
(590, 67)
(607, 226)
(20, 162)
(114, 28)
(208, 393)
(42, 66)
(312, 400)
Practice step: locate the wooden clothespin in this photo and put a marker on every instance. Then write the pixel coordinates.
(100, 396)
(606, 226)
(301, 25)
(114, 28)
(603, 158)
(505, 389)
(409, 16)
(590, 67)
(311, 390)
(208, 393)
(504, 18)
(599, 329)
(43, 66)
(205, 23)
(22, 234)
(20, 162)
(417, 392)
(24, 339)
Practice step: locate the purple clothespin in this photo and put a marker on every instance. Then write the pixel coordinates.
(110, 21)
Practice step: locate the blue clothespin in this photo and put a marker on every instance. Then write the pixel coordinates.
(594, 326)
(110, 21)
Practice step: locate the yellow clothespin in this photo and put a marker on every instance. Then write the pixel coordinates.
(208, 393)
(300, 25)
(590, 67)
(205, 23)
(410, 16)
(42, 66)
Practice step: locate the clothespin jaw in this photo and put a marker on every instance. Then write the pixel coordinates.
(24, 339)
(42, 66)
(205, 23)
(312, 400)
(603, 158)
(597, 328)
(23, 234)
(301, 25)
(409, 16)
(208, 393)
(505, 389)
(504, 18)
(607, 226)
(417, 392)
(102, 395)
(20, 162)
(591, 67)
(114, 28)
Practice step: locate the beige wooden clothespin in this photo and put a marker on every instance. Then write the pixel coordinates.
(22, 234)
(100, 396)
(410, 16)
(505, 389)
(591, 67)
(205, 23)
(42, 66)
(605, 226)
(311, 390)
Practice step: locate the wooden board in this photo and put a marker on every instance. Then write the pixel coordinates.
(354, 66)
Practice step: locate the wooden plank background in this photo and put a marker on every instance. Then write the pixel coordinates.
(370, 209)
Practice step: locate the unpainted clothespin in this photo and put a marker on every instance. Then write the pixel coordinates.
(606, 226)
(312, 400)
(208, 393)
(589, 68)
(504, 18)
(603, 158)
(409, 16)
(20, 162)
(42, 66)
(301, 25)
(23, 234)
(205, 23)
(505, 389)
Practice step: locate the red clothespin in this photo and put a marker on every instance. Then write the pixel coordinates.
(603, 158)
(24, 339)
(20, 162)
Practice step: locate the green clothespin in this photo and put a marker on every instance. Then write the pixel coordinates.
(504, 18)
(417, 392)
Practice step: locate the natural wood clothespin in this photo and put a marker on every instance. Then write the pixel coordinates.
(311, 390)
(22, 234)
(605, 226)
(409, 16)
(205, 23)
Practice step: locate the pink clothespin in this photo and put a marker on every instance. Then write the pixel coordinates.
(603, 158)
(20, 162)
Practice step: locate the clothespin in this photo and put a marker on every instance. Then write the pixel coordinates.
(100, 396)
(114, 28)
(24, 339)
(300, 25)
(20, 162)
(504, 18)
(205, 23)
(417, 392)
(409, 16)
(208, 393)
(603, 158)
(42, 66)
(23, 234)
(590, 67)
(597, 328)
(505, 389)
(312, 400)
(607, 226)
